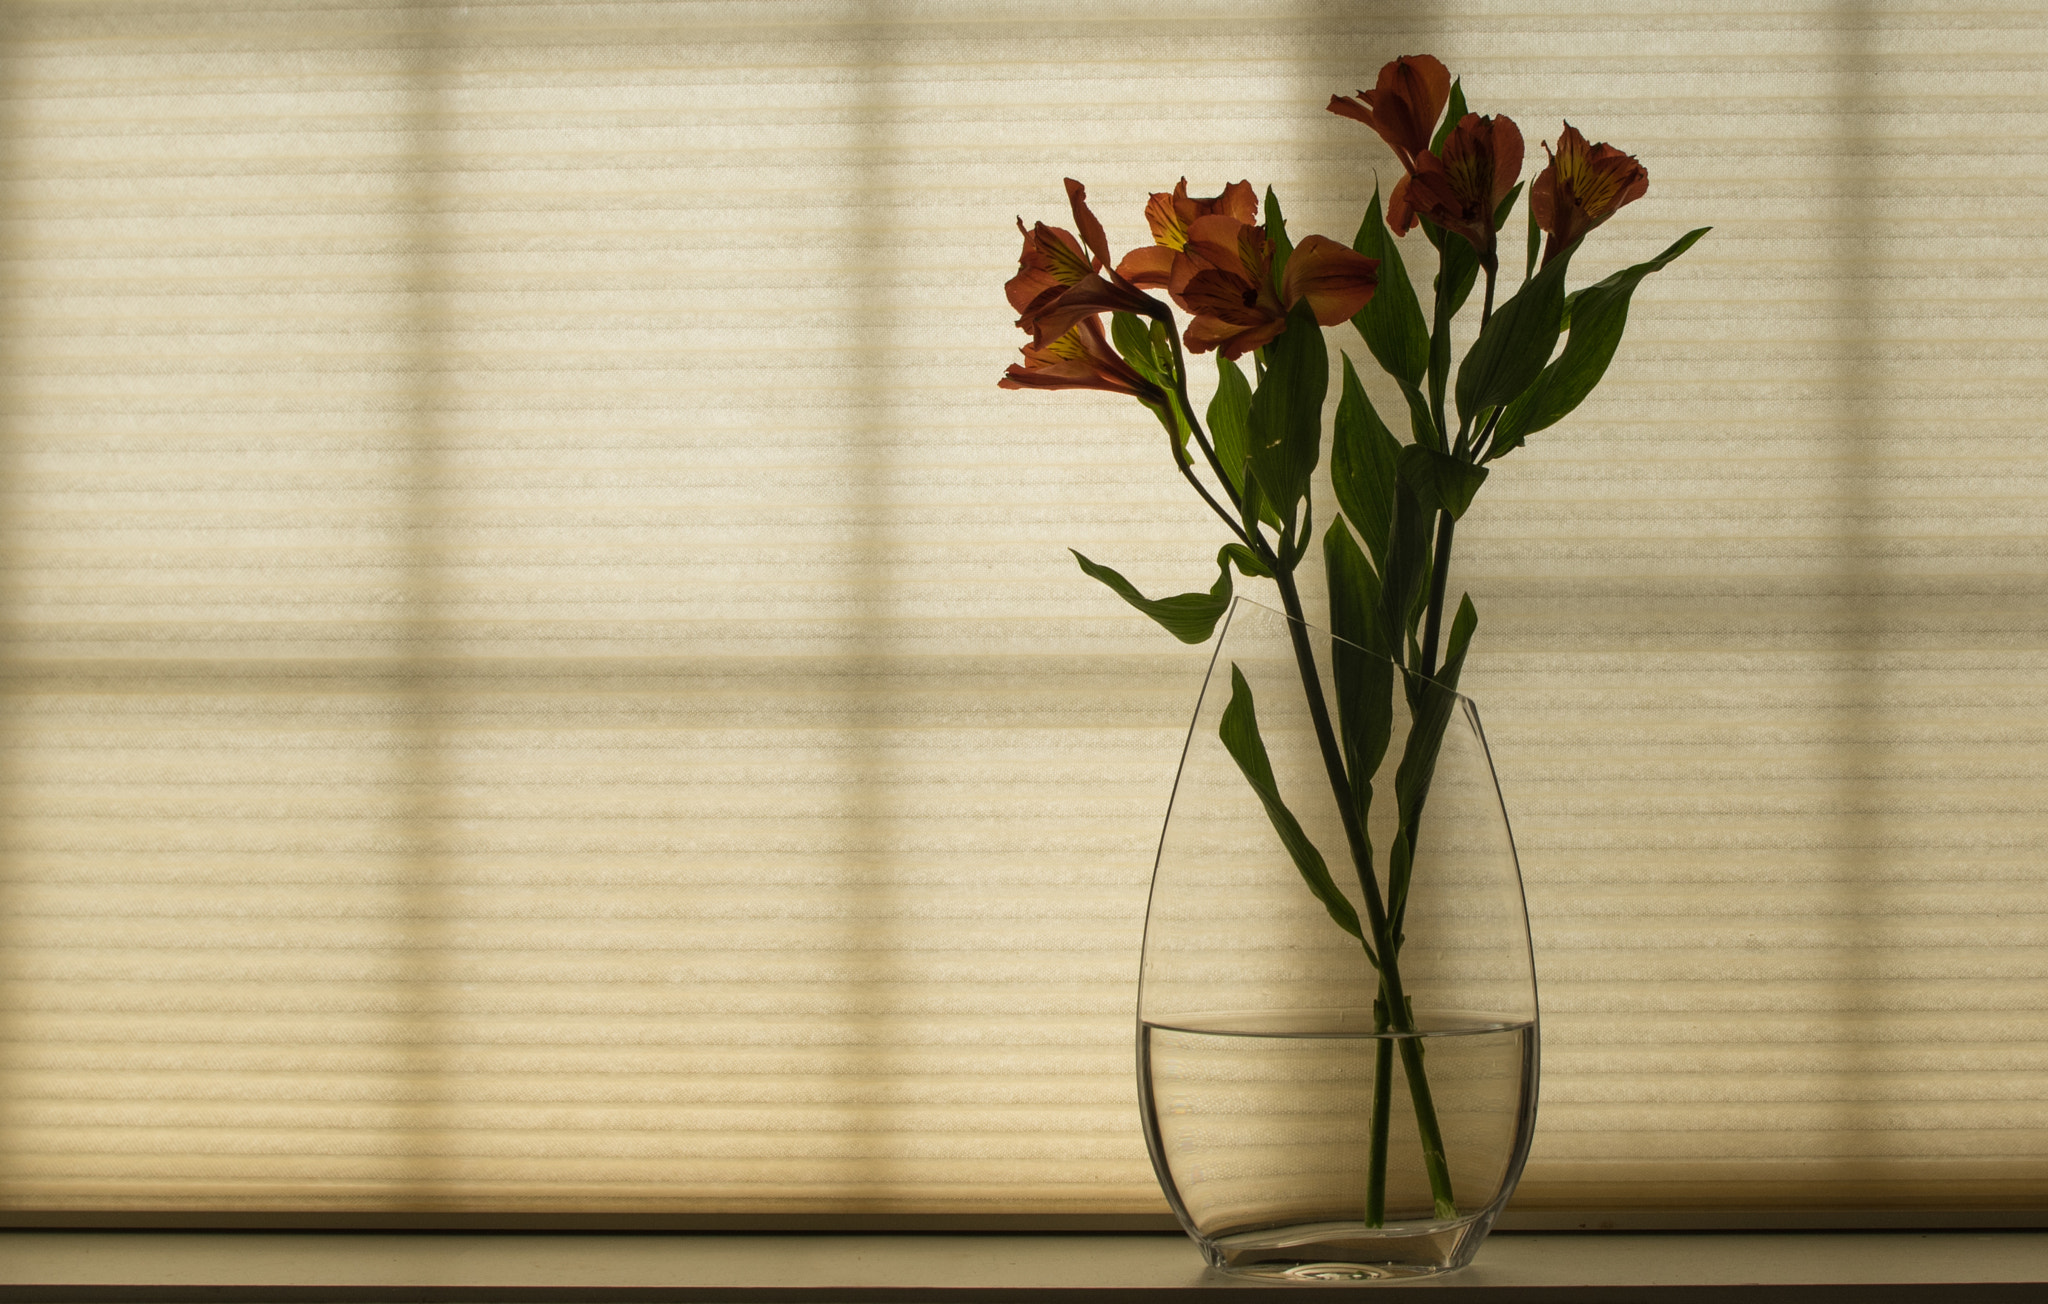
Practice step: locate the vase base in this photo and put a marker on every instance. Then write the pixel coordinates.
(1348, 1252)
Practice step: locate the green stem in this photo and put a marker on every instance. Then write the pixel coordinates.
(1439, 581)
(1382, 1117)
(1401, 1018)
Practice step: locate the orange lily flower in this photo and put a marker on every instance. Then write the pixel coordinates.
(1224, 276)
(1171, 216)
(1460, 190)
(1079, 359)
(1582, 187)
(1403, 106)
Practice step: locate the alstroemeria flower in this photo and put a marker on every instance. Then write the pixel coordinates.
(1080, 359)
(1224, 276)
(1336, 281)
(1053, 261)
(1582, 187)
(1059, 279)
(1171, 216)
(1403, 106)
(1460, 189)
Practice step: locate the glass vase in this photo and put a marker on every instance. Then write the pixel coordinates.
(1302, 1125)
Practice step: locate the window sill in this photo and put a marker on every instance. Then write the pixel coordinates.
(1526, 1268)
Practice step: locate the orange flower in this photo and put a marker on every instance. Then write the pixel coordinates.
(1335, 280)
(1582, 187)
(1059, 281)
(1079, 359)
(1460, 190)
(1404, 105)
(1052, 262)
(1171, 217)
(1224, 276)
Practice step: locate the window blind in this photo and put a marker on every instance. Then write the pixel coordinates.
(541, 674)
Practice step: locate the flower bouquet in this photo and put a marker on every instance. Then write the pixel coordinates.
(1250, 455)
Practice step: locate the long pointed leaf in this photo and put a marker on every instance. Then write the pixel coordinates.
(1433, 701)
(1364, 465)
(1364, 676)
(1516, 343)
(1391, 320)
(1240, 734)
(1287, 411)
(1230, 419)
(1599, 314)
(1405, 578)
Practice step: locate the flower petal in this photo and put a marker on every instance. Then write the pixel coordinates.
(1150, 265)
(1091, 230)
(1336, 281)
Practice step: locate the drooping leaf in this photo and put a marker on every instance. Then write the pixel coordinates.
(1441, 481)
(1364, 676)
(1287, 411)
(1364, 460)
(1240, 734)
(1598, 315)
(1189, 617)
(1391, 320)
(1246, 561)
(1276, 231)
(1514, 346)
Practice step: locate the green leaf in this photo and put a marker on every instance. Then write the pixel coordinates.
(1134, 341)
(1404, 580)
(1454, 280)
(1420, 424)
(1287, 411)
(1391, 320)
(1535, 242)
(1507, 206)
(1304, 535)
(1514, 346)
(1364, 676)
(1139, 348)
(1439, 480)
(1598, 315)
(1230, 418)
(1432, 702)
(1246, 561)
(1454, 110)
(1240, 734)
(1276, 231)
(1162, 351)
(1189, 617)
(1364, 457)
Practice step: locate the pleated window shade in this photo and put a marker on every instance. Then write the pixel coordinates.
(542, 675)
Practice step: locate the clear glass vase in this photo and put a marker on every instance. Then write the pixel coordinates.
(1302, 1125)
